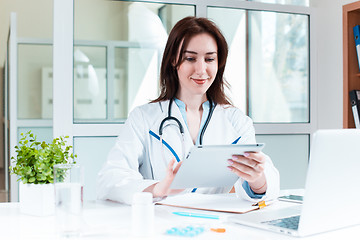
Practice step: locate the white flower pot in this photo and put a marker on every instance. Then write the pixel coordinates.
(37, 199)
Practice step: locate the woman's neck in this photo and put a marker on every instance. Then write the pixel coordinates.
(193, 103)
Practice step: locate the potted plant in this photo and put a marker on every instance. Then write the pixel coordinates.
(33, 165)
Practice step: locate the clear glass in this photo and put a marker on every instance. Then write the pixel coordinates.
(288, 2)
(89, 83)
(34, 81)
(68, 182)
(290, 154)
(233, 26)
(120, 89)
(137, 82)
(278, 67)
(92, 153)
(134, 34)
(42, 133)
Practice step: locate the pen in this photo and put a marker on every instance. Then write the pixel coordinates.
(199, 215)
(263, 203)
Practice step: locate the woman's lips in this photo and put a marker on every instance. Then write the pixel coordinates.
(199, 81)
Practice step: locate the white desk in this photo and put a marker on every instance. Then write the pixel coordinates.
(109, 220)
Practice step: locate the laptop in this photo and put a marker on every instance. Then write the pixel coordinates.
(331, 190)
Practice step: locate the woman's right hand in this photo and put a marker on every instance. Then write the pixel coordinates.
(162, 188)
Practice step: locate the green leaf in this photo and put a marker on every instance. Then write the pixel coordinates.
(34, 163)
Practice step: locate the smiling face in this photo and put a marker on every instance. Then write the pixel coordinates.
(198, 68)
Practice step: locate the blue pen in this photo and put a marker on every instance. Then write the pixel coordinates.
(199, 215)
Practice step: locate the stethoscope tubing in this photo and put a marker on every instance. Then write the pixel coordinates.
(181, 128)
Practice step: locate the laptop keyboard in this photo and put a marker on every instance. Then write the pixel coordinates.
(290, 222)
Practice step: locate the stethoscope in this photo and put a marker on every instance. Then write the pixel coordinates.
(181, 129)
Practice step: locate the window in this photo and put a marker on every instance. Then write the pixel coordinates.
(276, 55)
(268, 69)
(278, 67)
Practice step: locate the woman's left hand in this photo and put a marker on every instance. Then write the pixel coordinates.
(250, 167)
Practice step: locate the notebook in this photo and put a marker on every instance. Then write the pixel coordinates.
(227, 203)
(331, 189)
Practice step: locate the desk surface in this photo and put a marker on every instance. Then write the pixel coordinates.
(109, 220)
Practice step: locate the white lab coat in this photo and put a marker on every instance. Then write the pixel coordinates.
(136, 162)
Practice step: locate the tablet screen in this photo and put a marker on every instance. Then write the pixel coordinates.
(206, 166)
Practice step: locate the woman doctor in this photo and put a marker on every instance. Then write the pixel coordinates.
(192, 101)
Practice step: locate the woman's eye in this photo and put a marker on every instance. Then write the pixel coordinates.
(210, 59)
(190, 59)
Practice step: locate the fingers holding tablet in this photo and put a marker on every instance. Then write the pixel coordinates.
(248, 162)
(250, 166)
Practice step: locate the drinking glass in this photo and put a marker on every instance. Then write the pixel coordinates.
(68, 182)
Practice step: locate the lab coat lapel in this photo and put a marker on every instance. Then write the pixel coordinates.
(172, 143)
(220, 130)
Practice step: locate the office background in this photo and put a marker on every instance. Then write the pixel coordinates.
(326, 18)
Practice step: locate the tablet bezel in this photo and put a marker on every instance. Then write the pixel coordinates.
(217, 173)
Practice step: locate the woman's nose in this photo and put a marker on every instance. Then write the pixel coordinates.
(200, 67)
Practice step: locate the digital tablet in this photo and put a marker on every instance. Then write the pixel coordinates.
(206, 166)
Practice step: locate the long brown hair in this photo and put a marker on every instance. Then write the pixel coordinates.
(179, 38)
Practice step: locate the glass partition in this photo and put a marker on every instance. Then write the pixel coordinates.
(91, 154)
(233, 26)
(89, 83)
(34, 81)
(126, 72)
(268, 63)
(278, 67)
(290, 155)
(120, 91)
(135, 79)
(42, 133)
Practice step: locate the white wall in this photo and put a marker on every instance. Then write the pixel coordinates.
(329, 61)
(30, 13)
